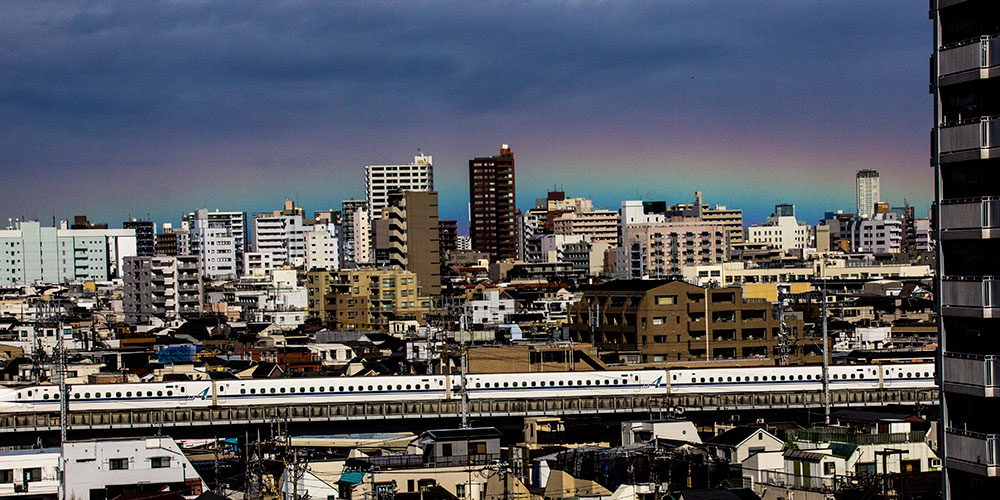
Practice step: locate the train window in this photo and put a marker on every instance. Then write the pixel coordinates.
(45, 396)
(29, 393)
(427, 386)
(588, 382)
(159, 393)
(729, 379)
(737, 379)
(380, 387)
(312, 389)
(809, 376)
(477, 385)
(282, 390)
(272, 390)
(55, 396)
(693, 380)
(170, 393)
(711, 379)
(852, 375)
(253, 391)
(900, 374)
(835, 376)
(782, 377)
(533, 383)
(407, 386)
(560, 382)
(243, 391)
(149, 394)
(927, 374)
(370, 388)
(86, 395)
(608, 382)
(118, 394)
(350, 388)
(909, 375)
(703, 379)
(341, 388)
(107, 394)
(505, 384)
(487, 385)
(675, 377)
(128, 394)
(182, 389)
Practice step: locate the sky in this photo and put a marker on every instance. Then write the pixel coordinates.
(152, 109)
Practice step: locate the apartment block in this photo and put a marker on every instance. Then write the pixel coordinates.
(782, 232)
(163, 287)
(380, 180)
(172, 242)
(365, 298)
(235, 224)
(879, 234)
(650, 321)
(215, 241)
(868, 192)
(660, 249)
(145, 235)
(594, 225)
(413, 232)
(965, 154)
(493, 205)
(355, 232)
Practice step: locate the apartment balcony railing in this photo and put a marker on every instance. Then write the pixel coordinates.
(970, 295)
(974, 374)
(973, 134)
(973, 451)
(969, 214)
(970, 55)
(835, 435)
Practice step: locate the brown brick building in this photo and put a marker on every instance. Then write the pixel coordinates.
(653, 321)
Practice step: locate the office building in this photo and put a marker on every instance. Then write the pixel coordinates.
(966, 155)
(145, 235)
(868, 192)
(413, 231)
(30, 253)
(640, 212)
(380, 180)
(493, 205)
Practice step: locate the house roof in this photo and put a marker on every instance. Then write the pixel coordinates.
(459, 434)
(715, 494)
(735, 436)
(626, 286)
(809, 456)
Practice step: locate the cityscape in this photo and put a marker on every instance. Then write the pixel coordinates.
(228, 271)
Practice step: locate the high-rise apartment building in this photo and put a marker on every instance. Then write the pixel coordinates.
(348, 244)
(217, 242)
(280, 234)
(868, 192)
(164, 287)
(413, 232)
(235, 223)
(380, 180)
(965, 152)
(493, 205)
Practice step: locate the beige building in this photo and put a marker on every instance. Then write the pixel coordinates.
(661, 249)
(736, 273)
(414, 237)
(594, 225)
(365, 298)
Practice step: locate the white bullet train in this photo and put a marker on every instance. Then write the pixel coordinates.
(223, 393)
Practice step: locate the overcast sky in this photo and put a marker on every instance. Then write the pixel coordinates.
(135, 107)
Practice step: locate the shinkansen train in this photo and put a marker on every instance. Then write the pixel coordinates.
(224, 393)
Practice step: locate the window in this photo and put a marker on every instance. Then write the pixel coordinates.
(478, 448)
(118, 464)
(460, 490)
(6, 476)
(829, 468)
(159, 462)
(666, 300)
(446, 450)
(32, 475)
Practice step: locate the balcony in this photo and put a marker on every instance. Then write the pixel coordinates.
(969, 60)
(970, 218)
(972, 139)
(972, 452)
(972, 374)
(970, 296)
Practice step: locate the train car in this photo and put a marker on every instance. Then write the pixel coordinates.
(553, 384)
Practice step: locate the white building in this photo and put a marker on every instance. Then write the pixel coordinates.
(463, 243)
(880, 234)
(782, 232)
(104, 468)
(548, 247)
(380, 180)
(216, 240)
(322, 249)
(595, 225)
(30, 474)
(362, 244)
(346, 234)
(489, 307)
(868, 192)
(29, 253)
(281, 236)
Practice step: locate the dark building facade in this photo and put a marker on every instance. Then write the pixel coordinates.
(447, 237)
(965, 154)
(145, 236)
(493, 202)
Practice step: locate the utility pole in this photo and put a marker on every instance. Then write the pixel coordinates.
(216, 454)
(826, 363)
(465, 389)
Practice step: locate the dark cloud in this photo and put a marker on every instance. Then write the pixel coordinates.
(97, 88)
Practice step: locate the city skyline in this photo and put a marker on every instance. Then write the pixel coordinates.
(238, 107)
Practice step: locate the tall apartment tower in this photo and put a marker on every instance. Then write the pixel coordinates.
(380, 180)
(868, 192)
(965, 154)
(493, 205)
(145, 236)
(413, 234)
